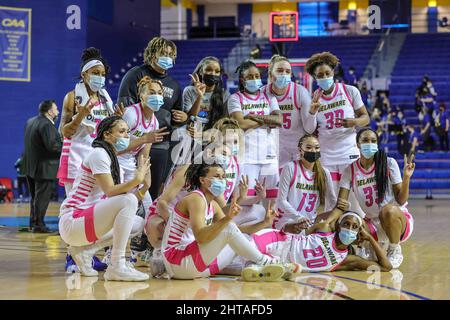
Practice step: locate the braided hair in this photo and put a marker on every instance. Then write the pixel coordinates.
(156, 46)
(381, 167)
(106, 125)
(195, 171)
(244, 66)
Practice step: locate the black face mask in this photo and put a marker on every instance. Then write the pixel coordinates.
(210, 79)
(311, 156)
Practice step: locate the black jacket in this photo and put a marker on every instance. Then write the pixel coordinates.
(43, 146)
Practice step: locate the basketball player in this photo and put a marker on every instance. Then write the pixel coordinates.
(257, 114)
(336, 110)
(293, 100)
(83, 109)
(325, 248)
(100, 211)
(382, 194)
(304, 187)
(200, 239)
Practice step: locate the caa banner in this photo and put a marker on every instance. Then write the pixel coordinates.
(15, 44)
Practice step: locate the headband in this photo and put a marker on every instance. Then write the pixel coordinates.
(349, 213)
(90, 64)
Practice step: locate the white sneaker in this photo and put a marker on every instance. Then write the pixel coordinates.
(124, 272)
(395, 256)
(107, 258)
(292, 271)
(366, 252)
(83, 259)
(141, 258)
(269, 260)
(266, 273)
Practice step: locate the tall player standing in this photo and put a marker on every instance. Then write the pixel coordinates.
(293, 100)
(336, 110)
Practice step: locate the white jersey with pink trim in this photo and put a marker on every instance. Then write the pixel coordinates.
(297, 195)
(260, 144)
(85, 192)
(338, 144)
(317, 252)
(178, 232)
(232, 174)
(76, 148)
(292, 130)
(364, 185)
(138, 125)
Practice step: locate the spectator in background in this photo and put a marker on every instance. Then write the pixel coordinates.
(351, 78)
(43, 146)
(382, 103)
(376, 121)
(22, 186)
(425, 131)
(366, 96)
(410, 140)
(159, 57)
(427, 99)
(441, 123)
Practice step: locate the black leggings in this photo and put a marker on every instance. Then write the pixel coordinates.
(161, 164)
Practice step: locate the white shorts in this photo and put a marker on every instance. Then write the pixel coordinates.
(378, 232)
(259, 172)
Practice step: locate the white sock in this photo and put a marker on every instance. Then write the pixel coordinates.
(121, 232)
(393, 245)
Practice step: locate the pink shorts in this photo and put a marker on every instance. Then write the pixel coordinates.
(409, 226)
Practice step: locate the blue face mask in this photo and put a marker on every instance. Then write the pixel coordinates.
(217, 187)
(253, 85)
(326, 83)
(368, 150)
(165, 62)
(155, 101)
(282, 81)
(96, 82)
(121, 144)
(235, 150)
(347, 236)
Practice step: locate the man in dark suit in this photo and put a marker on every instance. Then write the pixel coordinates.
(43, 146)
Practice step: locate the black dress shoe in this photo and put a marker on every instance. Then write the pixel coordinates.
(41, 230)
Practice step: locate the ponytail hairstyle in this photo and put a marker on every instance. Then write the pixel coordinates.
(216, 102)
(320, 181)
(144, 84)
(90, 54)
(195, 171)
(244, 66)
(106, 125)
(381, 167)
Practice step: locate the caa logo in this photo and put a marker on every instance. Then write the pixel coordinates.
(13, 23)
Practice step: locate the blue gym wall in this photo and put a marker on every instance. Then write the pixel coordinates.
(55, 56)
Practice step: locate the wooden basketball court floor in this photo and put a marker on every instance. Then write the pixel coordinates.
(32, 267)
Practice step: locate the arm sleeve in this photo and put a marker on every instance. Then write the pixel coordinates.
(189, 97)
(234, 104)
(394, 172)
(330, 196)
(99, 162)
(309, 121)
(285, 181)
(128, 89)
(51, 138)
(346, 179)
(355, 95)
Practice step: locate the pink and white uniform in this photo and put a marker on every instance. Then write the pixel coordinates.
(316, 252)
(261, 152)
(86, 199)
(139, 126)
(297, 197)
(292, 104)
(77, 147)
(363, 183)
